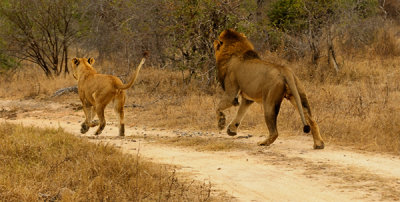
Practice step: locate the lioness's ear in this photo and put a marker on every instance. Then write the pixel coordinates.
(91, 61)
(75, 61)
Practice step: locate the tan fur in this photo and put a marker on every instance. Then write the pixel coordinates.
(241, 71)
(96, 91)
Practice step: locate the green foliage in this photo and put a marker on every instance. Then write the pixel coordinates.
(356, 9)
(7, 62)
(287, 15)
(178, 34)
(299, 15)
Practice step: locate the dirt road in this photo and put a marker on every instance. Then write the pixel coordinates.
(288, 170)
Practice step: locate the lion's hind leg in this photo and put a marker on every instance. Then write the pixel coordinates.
(272, 104)
(119, 103)
(318, 142)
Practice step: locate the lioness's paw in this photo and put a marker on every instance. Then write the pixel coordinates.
(84, 128)
(98, 133)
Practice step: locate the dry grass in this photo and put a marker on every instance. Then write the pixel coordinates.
(49, 164)
(29, 82)
(206, 143)
(358, 106)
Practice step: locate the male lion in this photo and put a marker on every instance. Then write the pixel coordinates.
(97, 90)
(242, 72)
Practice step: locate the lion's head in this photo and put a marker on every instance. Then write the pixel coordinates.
(229, 44)
(81, 65)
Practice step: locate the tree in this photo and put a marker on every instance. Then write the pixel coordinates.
(196, 24)
(316, 20)
(41, 31)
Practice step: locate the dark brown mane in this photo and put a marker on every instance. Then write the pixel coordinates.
(231, 43)
(250, 54)
(230, 35)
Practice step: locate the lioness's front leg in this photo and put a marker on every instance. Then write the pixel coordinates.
(244, 105)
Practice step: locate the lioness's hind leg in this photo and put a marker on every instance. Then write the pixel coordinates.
(86, 124)
(100, 114)
(119, 102)
(91, 122)
(234, 125)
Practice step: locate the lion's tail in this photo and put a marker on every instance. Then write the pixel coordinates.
(293, 87)
(133, 79)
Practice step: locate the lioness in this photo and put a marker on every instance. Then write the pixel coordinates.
(97, 90)
(242, 72)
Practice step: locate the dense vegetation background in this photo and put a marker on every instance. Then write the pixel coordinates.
(179, 34)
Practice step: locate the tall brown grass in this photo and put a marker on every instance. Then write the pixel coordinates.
(357, 106)
(30, 82)
(50, 164)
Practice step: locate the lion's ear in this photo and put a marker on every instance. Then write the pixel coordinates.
(91, 61)
(75, 61)
(217, 44)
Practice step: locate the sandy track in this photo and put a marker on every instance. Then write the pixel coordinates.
(289, 170)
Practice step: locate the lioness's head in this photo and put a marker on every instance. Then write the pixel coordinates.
(78, 65)
(231, 43)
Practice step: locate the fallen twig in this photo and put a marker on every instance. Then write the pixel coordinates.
(62, 91)
(146, 104)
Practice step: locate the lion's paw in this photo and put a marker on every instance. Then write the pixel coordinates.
(264, 143)
(322, 146)
(231, 133)
(221, 123)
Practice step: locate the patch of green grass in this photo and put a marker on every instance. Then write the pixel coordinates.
(50, 164)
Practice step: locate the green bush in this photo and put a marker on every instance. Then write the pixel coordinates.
(287, 15)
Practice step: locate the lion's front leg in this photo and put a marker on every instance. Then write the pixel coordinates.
(244, 105)
(229, 99)
(223, 104)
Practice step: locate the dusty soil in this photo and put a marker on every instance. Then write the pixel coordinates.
(288, 170)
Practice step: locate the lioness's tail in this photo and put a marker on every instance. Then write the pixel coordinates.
(293, 87)
(133, 79)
